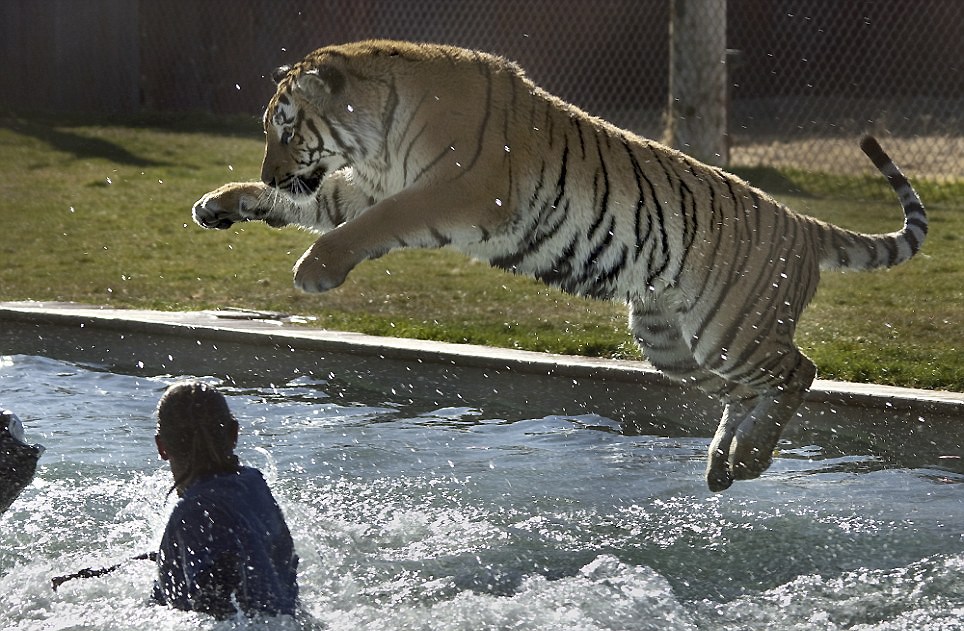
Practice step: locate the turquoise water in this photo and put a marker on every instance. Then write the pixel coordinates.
(409, 516)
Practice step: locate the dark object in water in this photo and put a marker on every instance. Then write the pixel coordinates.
(89, 572)
(18, 459)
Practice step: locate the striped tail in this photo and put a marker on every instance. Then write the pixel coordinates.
(850, 250)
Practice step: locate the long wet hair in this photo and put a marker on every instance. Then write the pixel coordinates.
(198, 429)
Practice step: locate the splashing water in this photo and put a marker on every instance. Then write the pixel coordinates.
(444, 518)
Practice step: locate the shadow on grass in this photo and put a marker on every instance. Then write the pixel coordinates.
(81, 146)
(816, 184)
(771, 180)
(54, 130)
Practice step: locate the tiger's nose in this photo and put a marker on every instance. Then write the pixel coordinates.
(269, 178)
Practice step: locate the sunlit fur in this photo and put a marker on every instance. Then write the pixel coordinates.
(381, 145)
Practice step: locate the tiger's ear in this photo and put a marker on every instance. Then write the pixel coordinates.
(279, 73)
(322, 82)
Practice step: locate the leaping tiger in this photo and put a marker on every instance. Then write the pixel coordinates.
(379, 145)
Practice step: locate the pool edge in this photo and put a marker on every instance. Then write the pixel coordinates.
(66, 323)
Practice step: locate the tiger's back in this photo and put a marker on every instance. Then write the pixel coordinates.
(379, 145)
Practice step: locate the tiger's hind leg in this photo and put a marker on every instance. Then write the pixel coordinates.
(658, 334)
(742, 447)
(759, 404)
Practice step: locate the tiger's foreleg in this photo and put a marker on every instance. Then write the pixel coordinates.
(336, 201)
(403, 220)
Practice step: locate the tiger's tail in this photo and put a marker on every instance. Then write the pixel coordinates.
(843, 249)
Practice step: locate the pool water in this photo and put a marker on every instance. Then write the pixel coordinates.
(409, 516)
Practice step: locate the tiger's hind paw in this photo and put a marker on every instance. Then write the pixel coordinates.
(747, 436)
(719, 478)
(742, 461)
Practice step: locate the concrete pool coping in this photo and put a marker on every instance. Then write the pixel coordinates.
(248, 346)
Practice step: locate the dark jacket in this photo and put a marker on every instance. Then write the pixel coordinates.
(226, 542)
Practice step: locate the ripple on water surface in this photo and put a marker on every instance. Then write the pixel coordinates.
(443, 518)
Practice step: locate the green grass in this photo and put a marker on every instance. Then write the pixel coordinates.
(100, 214)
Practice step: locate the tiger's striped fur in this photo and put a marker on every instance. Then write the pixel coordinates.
(380, 145)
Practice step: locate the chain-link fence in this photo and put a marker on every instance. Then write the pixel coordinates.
(810, 77)
(806, 77)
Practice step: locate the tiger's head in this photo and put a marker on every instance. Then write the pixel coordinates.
(322, 117)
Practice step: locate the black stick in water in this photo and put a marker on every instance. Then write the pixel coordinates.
(88, 572)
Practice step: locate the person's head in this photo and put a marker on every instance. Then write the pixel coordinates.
(196, 432)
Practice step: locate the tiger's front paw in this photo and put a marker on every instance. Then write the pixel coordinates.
(229, 204)
(319, 270)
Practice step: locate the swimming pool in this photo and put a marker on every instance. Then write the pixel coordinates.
(412, 515)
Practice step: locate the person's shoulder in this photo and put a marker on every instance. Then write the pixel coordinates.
(250, 475)
(225, 488)
(206, 506)
(193, 502)
(209, 491)
(245, 470)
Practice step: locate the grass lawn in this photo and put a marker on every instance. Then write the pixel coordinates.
(100, 214)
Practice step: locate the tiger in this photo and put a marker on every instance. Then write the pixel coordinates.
(379, 145)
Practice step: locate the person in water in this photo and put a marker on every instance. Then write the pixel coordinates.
(18, 459)
(226, 545)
